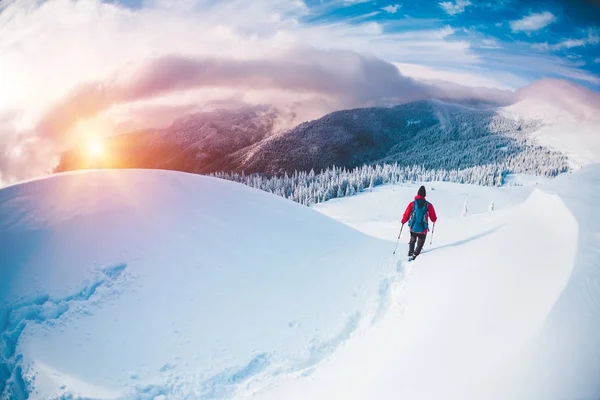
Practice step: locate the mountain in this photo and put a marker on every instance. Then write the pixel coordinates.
(546, 122)
(430, 133)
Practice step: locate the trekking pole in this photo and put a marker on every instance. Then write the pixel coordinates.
(432, 231)
(398, 241)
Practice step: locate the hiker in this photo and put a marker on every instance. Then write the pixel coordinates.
(417, 214)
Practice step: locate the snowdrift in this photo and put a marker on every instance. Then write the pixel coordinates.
(562, 359)
(138, 284)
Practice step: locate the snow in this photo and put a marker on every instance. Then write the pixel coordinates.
(506, 305)
(378, 213)
(155, 284)
(473, 300)
(142, 283)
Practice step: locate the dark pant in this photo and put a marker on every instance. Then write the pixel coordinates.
(419, 238)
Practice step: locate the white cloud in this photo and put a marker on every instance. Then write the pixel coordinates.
(541, 65)
(490, 44)
(392, 9)
(597, 60)
(569, 43)
(470, 78)
(533, 22)
(592, 38)
(541, 46)
(455, 7)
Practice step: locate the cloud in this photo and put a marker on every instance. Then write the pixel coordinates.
(566, 95)
(491, 43)
(346, 78)
(392, 9)
(569, 44)
(597, 60)
(22, 154)
(533, 22)
(457, 7)
(465, 77)
(544, 65)
(86, 40)
(592, 38)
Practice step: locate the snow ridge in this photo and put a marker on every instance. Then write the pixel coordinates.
(41, 309)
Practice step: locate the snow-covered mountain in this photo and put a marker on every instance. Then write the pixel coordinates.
(430, 133)
(146, 284)
(569, 117)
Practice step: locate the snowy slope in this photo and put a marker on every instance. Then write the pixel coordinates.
(153, 284)
(135, 284)
(562, 359)
(505, 306)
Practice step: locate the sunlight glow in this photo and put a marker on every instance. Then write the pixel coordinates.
(95, 148)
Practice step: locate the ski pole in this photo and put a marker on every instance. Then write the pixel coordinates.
(432, 231)
(398, 241)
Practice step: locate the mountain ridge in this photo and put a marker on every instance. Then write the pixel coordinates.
(432, 133)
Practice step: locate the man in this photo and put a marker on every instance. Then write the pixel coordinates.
(417, 214)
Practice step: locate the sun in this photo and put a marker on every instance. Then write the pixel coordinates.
(95, 148)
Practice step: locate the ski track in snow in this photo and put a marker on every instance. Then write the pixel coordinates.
(42, 310)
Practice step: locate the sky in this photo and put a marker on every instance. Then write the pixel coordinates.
(75, 69)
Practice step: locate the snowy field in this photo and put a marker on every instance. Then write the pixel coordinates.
(164, 285)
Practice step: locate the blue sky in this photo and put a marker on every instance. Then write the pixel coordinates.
(505, 34)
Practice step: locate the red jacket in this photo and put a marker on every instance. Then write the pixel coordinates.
(409, 208)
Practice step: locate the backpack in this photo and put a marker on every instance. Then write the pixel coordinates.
(418, 218)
